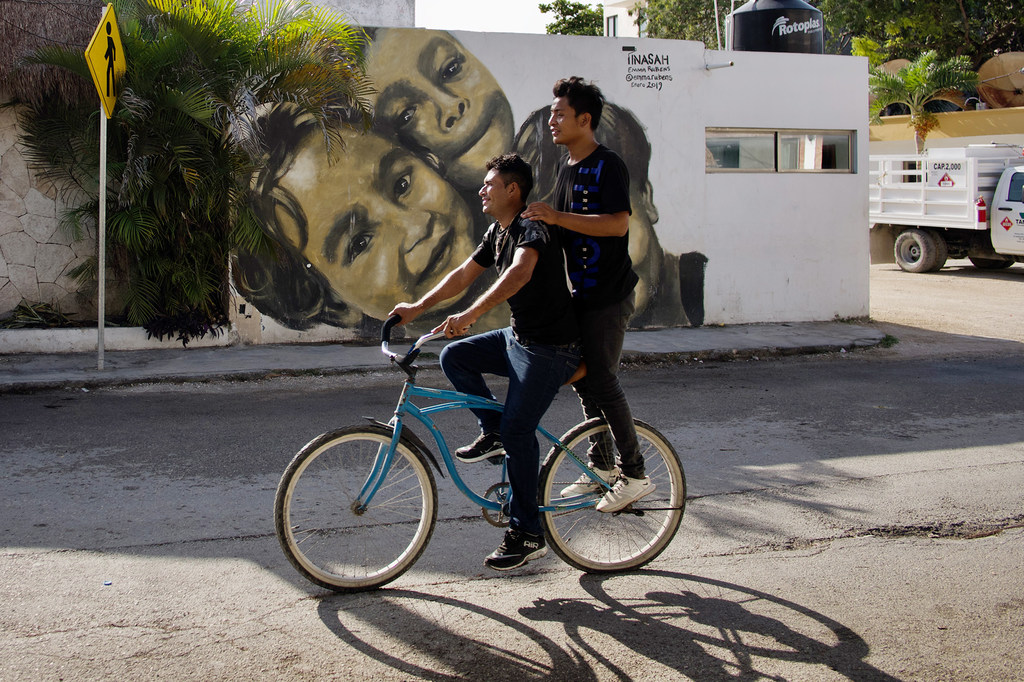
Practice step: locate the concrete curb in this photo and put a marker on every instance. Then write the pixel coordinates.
(34, 372)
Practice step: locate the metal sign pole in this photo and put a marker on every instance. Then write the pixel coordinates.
(101, 233)
(106, 60)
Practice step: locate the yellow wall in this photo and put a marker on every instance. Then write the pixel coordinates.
(894, 135)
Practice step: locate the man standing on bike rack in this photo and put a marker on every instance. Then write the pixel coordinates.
(538, 353)
(592, 213)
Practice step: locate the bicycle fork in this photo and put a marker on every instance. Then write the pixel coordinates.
(382, 462)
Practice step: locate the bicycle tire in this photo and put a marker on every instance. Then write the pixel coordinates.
(325, 539)
(598, 542)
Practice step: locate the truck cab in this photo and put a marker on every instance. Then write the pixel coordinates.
(1007, 214)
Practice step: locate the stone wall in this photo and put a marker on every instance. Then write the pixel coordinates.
(35, 253)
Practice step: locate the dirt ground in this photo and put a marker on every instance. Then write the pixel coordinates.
(975, 311)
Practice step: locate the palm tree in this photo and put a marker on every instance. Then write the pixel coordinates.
(185, 139)
(921, 81)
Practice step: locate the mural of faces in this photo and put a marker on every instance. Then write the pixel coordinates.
(438, 98)
(384, 220)
(379, 224)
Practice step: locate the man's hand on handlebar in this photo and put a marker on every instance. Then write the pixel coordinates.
(407, 311)
(455, 325)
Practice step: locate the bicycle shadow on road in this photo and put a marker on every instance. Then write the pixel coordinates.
(434, 637)
(701, 627)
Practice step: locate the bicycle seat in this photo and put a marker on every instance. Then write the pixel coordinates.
(580, 372)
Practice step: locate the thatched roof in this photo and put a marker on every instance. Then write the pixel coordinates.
(25, 26)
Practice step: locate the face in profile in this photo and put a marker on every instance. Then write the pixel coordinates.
(379, 224)
(438, 98)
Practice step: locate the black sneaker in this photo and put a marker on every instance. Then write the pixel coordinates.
(515, 550)
(486, 445)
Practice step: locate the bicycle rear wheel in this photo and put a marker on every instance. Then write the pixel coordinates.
(322, 527)
(598, 542)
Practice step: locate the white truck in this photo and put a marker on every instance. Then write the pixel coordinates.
(948, 203)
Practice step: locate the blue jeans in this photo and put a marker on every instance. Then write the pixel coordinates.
(535, 373)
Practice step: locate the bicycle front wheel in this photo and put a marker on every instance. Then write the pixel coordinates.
(599, 542)
(332, 536)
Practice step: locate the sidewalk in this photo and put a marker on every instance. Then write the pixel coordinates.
(28, 372)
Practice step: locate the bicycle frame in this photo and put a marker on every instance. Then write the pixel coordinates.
(454, 400)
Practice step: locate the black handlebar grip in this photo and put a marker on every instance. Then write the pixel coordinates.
(389, 324)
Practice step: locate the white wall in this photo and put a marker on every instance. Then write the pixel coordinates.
(786, 246)
(625, 24)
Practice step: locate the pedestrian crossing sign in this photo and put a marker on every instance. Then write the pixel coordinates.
(106, 59)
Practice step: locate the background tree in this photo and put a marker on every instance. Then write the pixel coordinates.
(925, 79)
(901, 28)
(185, 139)
(687, 20)
(574, 18)
(907, 28)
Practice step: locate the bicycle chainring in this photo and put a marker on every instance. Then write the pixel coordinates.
(499, 519)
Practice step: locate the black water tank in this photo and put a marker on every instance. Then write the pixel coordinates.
(776, 26)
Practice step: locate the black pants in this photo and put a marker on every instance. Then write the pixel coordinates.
(602, 332)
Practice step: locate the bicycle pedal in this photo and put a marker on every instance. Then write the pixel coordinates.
(629, 510)
(496, 460)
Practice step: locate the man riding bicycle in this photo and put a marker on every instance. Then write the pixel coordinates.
(538, 353)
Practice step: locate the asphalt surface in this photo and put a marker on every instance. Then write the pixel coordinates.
(850, 516)
(36, 371)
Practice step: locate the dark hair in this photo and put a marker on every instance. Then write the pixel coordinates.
(583, 97)
(512, 168)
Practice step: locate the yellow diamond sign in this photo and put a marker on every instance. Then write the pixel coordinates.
(106, 59)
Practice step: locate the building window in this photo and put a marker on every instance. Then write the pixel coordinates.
(778, 151)
(611, 25)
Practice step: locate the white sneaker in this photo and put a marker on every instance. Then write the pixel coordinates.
(625, 492)
(585, 485)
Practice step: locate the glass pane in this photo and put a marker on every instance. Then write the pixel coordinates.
(814, 151)
(740, 150)
(1016, 187)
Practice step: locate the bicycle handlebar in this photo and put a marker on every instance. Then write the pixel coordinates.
(402, 361)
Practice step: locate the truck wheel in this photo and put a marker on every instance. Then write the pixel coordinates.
(990, 263)
(916, 250)
(941, 251)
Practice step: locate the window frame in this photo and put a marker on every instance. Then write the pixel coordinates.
(778, 134)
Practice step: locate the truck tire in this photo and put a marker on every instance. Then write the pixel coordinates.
(941, 251)
(916, 250)
(989, 263)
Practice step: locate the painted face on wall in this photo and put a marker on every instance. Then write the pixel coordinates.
(438, 98)
(379, 224)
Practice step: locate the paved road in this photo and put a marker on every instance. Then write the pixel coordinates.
(852, 516)
(974, 311)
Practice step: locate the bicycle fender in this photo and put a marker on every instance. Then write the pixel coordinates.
(413, 442)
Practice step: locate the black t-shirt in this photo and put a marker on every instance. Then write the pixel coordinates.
(542, 308)
(599, 267)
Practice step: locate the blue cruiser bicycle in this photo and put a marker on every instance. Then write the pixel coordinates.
(356, 507)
